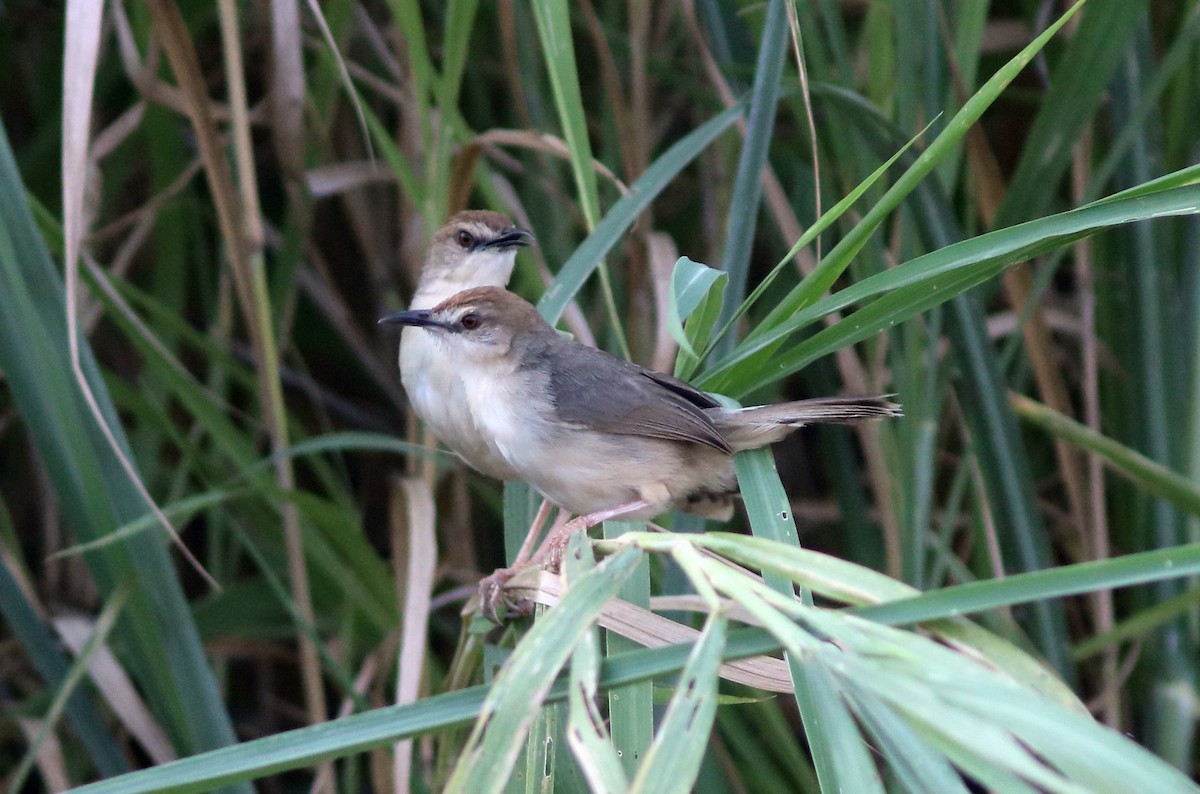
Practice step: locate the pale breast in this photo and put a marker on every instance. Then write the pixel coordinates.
(439, 398)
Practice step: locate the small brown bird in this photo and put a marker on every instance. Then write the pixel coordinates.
(598, 436)
(476, 248)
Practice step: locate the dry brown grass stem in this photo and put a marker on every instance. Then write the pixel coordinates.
(84, 23)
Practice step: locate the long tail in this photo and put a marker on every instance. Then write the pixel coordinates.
(748, 428)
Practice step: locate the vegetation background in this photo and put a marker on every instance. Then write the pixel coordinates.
(204, 208)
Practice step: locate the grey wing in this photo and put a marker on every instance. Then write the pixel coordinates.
(684, 389)
(605, 394)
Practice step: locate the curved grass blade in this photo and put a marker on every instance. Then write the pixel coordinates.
(931, 279)
(836, 261)
(1147, 474)
(1080, 82)
(918, 765)
(624, 212)
(554, 30)
(810, 234)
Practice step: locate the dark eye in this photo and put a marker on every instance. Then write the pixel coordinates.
(471, 321)
(465, 239)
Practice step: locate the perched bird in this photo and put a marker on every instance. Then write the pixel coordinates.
(598, 436)
(476, 248)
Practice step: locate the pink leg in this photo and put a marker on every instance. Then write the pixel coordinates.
(535, 529)
(556, 541)
(550, 552)
(491, 587)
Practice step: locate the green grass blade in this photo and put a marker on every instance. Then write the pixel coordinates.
(299, 748)
(673, 762)
(587, 735)
(630, 707)
(1139, 625)
(520, 507)
(839, 752)
(1079, 83)
(836, 261)
(919, 766)
(1084, 577)
(1150, 266)
(554, 30)
(812, 233)
(310, 745)
(1147, 474)
(1006, 472)
(69, 685)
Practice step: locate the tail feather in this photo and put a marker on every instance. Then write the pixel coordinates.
(748, 428)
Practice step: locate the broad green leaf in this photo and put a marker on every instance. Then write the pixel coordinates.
(695, 299)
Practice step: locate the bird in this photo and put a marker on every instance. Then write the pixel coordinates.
(474, 248)
(599, 436)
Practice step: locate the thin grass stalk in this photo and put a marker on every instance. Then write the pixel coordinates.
(42, 649)
(249, 241)
(747, 186)
(1095, 514)
(74, 677)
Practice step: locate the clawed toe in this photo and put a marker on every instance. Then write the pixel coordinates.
(494, 603)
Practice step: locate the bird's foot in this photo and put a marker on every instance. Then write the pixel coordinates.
(494, 603)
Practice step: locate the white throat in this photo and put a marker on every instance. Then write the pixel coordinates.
(480, 269)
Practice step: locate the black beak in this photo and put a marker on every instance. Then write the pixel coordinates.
(419, 317)
(512, 238)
